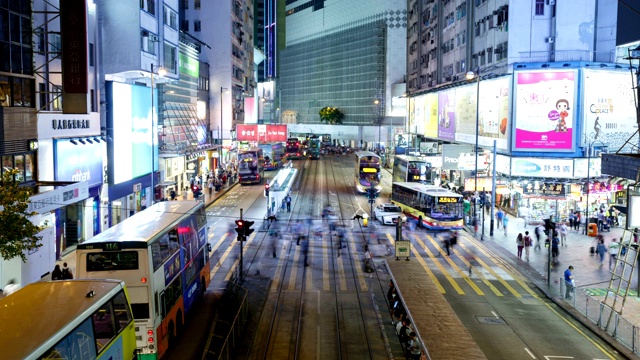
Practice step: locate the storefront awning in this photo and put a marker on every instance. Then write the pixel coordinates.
(166, 183)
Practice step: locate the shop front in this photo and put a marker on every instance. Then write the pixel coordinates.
(539, 199)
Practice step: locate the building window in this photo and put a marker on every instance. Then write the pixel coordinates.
(93, 100)
(149, 43)
(539, 7)
(170, 58)
(196, 4)
(185, 4)
(170, 18)
(489, 55)
(91, 55)
(148, 6)
(196, 25)
(184, 25)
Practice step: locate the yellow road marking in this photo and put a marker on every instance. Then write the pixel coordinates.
(478, 274)
(453, 265)
(360, 274)
(498, 277)
(391, 240)
(217, 245)
(442, 269)
(294, 267)
(222, 259)
(423, 264)
(235, 263)
(341, 277)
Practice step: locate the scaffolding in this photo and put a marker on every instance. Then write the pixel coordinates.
(346, 69)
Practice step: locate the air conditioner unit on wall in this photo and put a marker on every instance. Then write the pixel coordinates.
(551, 2)
(550, 40)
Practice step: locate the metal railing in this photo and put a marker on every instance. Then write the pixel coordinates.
(567, 55)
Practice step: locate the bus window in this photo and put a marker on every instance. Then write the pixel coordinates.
(110, 261)
(78, 344)
(104, 325)
(163, 248)
(121, 310)
(171, 295)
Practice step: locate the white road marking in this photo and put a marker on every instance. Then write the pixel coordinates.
(494, 314)
(530, 353)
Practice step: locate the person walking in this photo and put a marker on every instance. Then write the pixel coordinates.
(414, 346)
(555, 246)
(505, 223)
(288, 200)
(572, 218)
(499, 216)
(569, 282)
(528, 242)
(520, 244)
(538, 231)
(56, 274)
(563, 234)
(66, 272)
(578, 220)
(601, 249)
(614, 247)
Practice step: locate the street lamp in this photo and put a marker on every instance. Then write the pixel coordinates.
(586, 211)
(376, 102)
(160, 71)
(223, 90)
(470, 75)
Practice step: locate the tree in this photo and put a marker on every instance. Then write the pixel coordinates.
(331, 115)
(17, 233)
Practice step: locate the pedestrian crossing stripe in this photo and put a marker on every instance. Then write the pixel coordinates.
(498, 277)
(439, 266)
(453, 265)
(423, 264)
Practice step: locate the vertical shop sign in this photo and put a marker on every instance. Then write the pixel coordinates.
(73, 20)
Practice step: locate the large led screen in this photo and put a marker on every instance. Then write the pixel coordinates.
(609, 108)
(544, 110)
(431, 115)
(131, 119)
(78, 162)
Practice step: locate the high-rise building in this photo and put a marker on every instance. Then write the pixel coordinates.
(345, 54)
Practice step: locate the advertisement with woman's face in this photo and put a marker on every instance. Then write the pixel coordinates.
(543, 110)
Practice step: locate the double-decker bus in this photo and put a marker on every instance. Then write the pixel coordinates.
(411, 169)
(273, 155)
(294, 149)
(251, 166)
(314, 147)
(433, 207)
(72, 319)
(367, 172)
(161, 255)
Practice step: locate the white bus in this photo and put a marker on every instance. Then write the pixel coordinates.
(72, 319)
(161, 255)
(367, 171)
(408, 168)
(432, 207)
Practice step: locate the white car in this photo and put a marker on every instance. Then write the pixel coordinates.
(388, 214)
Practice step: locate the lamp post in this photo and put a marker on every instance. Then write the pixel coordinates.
(160, 72)
(223, 90)
(470, 76)
(377, 103)
(586, 211)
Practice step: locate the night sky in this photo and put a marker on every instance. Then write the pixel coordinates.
(628, 19)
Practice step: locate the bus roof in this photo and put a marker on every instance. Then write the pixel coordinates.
(31, 317)
(251, 149)
(428, 189)
(145, 225)
(360, 154)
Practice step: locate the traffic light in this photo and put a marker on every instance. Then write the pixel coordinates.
(266, 190)
(247, 228)
(240, 228)
(372, 193)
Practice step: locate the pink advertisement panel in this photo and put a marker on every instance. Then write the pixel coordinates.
(544, 116)
(447, 114)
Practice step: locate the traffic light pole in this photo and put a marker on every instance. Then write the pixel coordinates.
(241, 270)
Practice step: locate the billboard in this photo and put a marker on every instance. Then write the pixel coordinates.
(431, 115)
(609, 111)
(541, 167)
(78, 162)
(543, 110)
(261, 133)
(447, 114)
(131, 121)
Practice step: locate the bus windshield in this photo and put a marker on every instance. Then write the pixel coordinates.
(110, 261)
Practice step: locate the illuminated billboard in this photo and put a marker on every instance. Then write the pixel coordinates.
(544, 110)
(78, 162)
(431, 115)
(447, 114)
(609, 111)
(130, 119)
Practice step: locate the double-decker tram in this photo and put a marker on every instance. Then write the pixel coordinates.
(367, 172)
(273, 155)
(314, 147)
(161, 254)
(250, 166)
(294, 149)
(71, 319)
(433, 207)
(411, 169)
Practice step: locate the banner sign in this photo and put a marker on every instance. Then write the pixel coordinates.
(261, 133)
(549, 189)
(541, 167)
(544, 110)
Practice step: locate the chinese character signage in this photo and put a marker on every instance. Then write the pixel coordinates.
(540, 167)
(541, 188)
(73, 20)
(544, 110)
(262, 133)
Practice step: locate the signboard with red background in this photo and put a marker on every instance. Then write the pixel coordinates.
(262, 133)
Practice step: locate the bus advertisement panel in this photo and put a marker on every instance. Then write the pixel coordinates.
(411, 169)
(367, 172)
(161, 254)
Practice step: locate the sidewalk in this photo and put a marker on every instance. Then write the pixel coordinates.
(591, 278)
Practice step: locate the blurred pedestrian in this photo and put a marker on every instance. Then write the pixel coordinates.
(520, 244)
(528, 242)
(66, 272)
(569, 282)
(11, 287)
(563, 234)
(538, 231)
(56, 274)
(499, 216)
(614, 248)
(505, 223)
(288, 200)
(555, 246)
(601, 249)
(305, 251)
